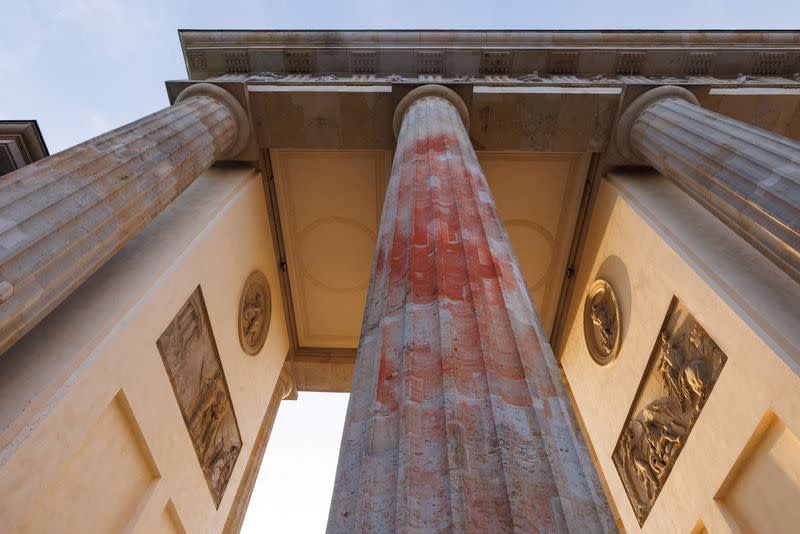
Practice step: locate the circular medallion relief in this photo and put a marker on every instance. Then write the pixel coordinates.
(602, 326)
(255, 311)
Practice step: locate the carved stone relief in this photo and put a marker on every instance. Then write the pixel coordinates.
(190, 357)
(679, 377)
(602, 325)
(255, 312)
(197, 62)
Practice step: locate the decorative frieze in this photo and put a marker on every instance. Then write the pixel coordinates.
(190, 357)
(197, 62)
(534, 77)
(769, 63)
(236, 62)
(683, 368)
(495, 63)
(630, 62)
(562, 62)
(505, 53)
(363, 61)
(430, 62)
(699, 63)
(264, 77)
(298, 61)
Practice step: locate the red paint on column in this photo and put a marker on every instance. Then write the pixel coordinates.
(458, 420)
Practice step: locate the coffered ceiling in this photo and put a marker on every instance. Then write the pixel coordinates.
(329, 204)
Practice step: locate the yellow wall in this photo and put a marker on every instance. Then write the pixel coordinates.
(740, 466)
(91, 436)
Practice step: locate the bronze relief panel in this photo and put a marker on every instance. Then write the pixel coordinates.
(255, 312)
(190, 357)
(602, 324)
(683, 368)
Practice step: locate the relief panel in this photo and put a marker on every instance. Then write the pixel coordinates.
(192, 362)
(683, 368)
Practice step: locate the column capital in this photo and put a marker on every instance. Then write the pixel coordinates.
(637, 107)
(286, 383)
(240, 117)
(429, 91)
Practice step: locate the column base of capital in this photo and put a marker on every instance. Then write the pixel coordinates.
(239, 114)
(428, 91)
(637, 107)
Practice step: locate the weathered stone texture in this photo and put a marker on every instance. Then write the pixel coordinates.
(458, 418)
(63, 217)
(746, 176)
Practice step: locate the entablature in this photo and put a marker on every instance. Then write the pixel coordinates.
(490, 55)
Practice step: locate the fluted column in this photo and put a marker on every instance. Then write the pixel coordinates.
(458, 419)
(748, 177)
(63, 217)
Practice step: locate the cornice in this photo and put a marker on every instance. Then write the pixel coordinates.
(490, 38)
(720, 54)
(21, 143)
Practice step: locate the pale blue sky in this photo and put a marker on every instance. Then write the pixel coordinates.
(82, 67)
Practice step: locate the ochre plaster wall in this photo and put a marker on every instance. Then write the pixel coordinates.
(91, 436)
(742, 458)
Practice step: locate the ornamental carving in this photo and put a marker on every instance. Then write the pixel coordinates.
(680, 375)
(192, 362)
(255, 312)
(197, 62)
(602, 325)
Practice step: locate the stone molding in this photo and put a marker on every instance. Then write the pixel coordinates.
(21, 143)
(429, 91)
(529, 79)
(240, 117)
(638, 106)
(451, 53)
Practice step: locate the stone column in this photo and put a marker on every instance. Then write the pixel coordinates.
(458, 419)
(748, 177)
(63, 217)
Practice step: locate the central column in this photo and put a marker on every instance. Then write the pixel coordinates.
(458, 419)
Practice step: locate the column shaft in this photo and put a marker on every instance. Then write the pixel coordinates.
(63, 217)
(458, 419)
(748, 177)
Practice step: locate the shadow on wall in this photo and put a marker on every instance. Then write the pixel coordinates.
(613, 270)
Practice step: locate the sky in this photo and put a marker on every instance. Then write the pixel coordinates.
(293, 490)
(83, 67)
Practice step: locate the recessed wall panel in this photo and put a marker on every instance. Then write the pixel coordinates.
(99, 487)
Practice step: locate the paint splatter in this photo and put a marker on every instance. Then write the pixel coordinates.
(458, 420)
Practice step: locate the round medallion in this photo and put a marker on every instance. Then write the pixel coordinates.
(602, 325)
(255, 311)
